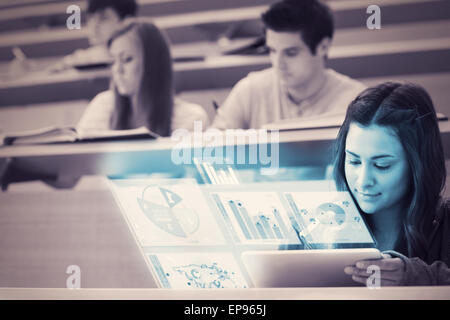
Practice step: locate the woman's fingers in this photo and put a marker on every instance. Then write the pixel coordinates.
(363, 273)
(359, 279)
(390, 270)
(389, 264)
(383, 282)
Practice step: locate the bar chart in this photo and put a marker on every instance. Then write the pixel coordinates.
(216, 174)
(255, 216)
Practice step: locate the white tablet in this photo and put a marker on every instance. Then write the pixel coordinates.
(304, 268)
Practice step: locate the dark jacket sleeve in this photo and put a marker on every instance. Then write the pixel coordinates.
(419, 273)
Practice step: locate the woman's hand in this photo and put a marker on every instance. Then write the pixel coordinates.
(391, 270)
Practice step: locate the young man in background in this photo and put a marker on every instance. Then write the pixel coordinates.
(298, 85)
(103, 18)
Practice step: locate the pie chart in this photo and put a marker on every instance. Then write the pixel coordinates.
(167, 211)
(330, 214)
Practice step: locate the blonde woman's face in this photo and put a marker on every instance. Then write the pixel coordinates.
(376, 168)
(126, 51)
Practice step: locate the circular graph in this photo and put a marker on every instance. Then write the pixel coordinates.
(330, 214)
(166, 210)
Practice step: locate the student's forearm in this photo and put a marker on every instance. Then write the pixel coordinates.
(419, 273)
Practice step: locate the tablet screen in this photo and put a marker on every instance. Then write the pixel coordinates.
(193, 236)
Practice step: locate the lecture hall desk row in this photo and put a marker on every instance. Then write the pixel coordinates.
(208, 25)
(42, 231)
(357, 61)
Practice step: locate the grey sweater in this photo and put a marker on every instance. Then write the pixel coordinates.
(434, 269)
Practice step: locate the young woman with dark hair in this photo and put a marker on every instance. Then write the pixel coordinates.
(142, 92)
(389, 155)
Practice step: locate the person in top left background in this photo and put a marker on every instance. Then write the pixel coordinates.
(142, 90)
(103, 18)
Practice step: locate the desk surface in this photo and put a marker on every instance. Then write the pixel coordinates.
(357, 61)
(304, 135)
(166, 144)
(158, 144)
(192, 13)
(386, 293)
(43, 231)
(311, 147)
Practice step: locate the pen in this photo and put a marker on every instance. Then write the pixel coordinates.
(302, 238)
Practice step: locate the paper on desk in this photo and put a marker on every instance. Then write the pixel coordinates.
(71, 134)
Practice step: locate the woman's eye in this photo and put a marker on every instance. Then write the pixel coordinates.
(353, 162)
(127, 59)
(382, 166)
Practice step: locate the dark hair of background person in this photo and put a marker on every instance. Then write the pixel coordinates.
(312, 18)
(155, 95)
(408, 110)
(123, 8)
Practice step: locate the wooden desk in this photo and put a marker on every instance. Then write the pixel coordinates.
(207, 25)
(54, 14)
(296, 148)
(347, 13)
(43, 231)
(357, 61)
(306, 147)
(393, 293)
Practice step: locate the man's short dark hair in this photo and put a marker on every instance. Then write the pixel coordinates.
(312, 18)
(124, 8)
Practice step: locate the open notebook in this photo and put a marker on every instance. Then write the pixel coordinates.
(71, 134)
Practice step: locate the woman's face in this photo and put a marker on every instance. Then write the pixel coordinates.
(126, 51)
(376, 168)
